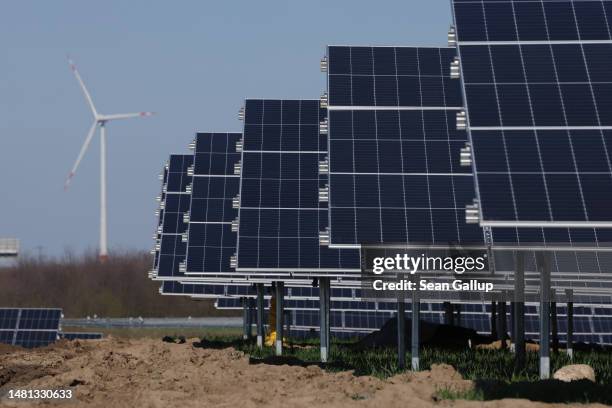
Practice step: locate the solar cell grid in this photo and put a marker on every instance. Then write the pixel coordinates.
(538, 103)
(40, 319)
(395, 176)
(176, 203)
(29, 327)
(391, 77)
(280, 213)
(32, 338)
(8, 318)
(211, 241)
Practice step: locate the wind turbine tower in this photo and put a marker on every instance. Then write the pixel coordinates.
(100, 121)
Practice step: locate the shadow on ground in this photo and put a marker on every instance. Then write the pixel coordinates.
(552, 391)
(221, 344)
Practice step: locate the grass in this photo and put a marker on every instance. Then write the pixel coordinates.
(449, 394)
(491, 370)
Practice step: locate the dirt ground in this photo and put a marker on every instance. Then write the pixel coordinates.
(121, 373)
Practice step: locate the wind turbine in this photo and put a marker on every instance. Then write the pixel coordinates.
(100, 121)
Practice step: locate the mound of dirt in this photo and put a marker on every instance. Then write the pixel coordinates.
(430, 334)
(152, 373)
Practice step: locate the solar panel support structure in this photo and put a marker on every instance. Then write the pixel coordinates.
(401, 334)
(493, 320)
(554, 323)
(260, 314)
(543, 260)
(324, 302)
(415, 335)
(519, 311)
(502, 329)
(569, 293)
(245, 319)
(250, 307)
(449, 317)
(280, 292)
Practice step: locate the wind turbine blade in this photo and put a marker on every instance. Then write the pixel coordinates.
(82, 85)
(81, 154)
(119, 116)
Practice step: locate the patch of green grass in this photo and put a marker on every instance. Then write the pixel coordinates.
(473, 394)
(492, 371)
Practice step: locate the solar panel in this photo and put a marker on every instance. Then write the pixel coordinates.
(394, 171)
(280, 213)
(29, 327)
(8, 318)
(176, 203)
(401, 77)
(535, 80)
(211, 241)
(81, 335)
(39, 319)
(33, 338)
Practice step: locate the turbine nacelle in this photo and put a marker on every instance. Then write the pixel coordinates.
(99, 118)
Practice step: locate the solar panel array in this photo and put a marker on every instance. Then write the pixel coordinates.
(29, 327)
(377, 162)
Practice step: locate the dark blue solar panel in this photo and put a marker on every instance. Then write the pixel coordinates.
(8, 318)
(32, 338)
(6, 336)
(211, 241)
(395, 176)
(215, 153)
(29, 327)
(391, 77)
(539, 109)
(176, 203)
(40, 319)
(280, 212)
(524, 20)
(177, 172)
(172, 253)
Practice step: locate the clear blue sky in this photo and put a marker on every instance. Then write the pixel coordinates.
(194, 62)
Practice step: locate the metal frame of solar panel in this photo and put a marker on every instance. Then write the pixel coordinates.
(394, 172)
(29, 327)
(280, 213)
(539, 112)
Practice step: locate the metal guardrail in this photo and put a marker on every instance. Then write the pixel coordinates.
(153, 322)
(9, 247)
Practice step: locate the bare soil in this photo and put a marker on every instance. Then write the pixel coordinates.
(145, 372)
